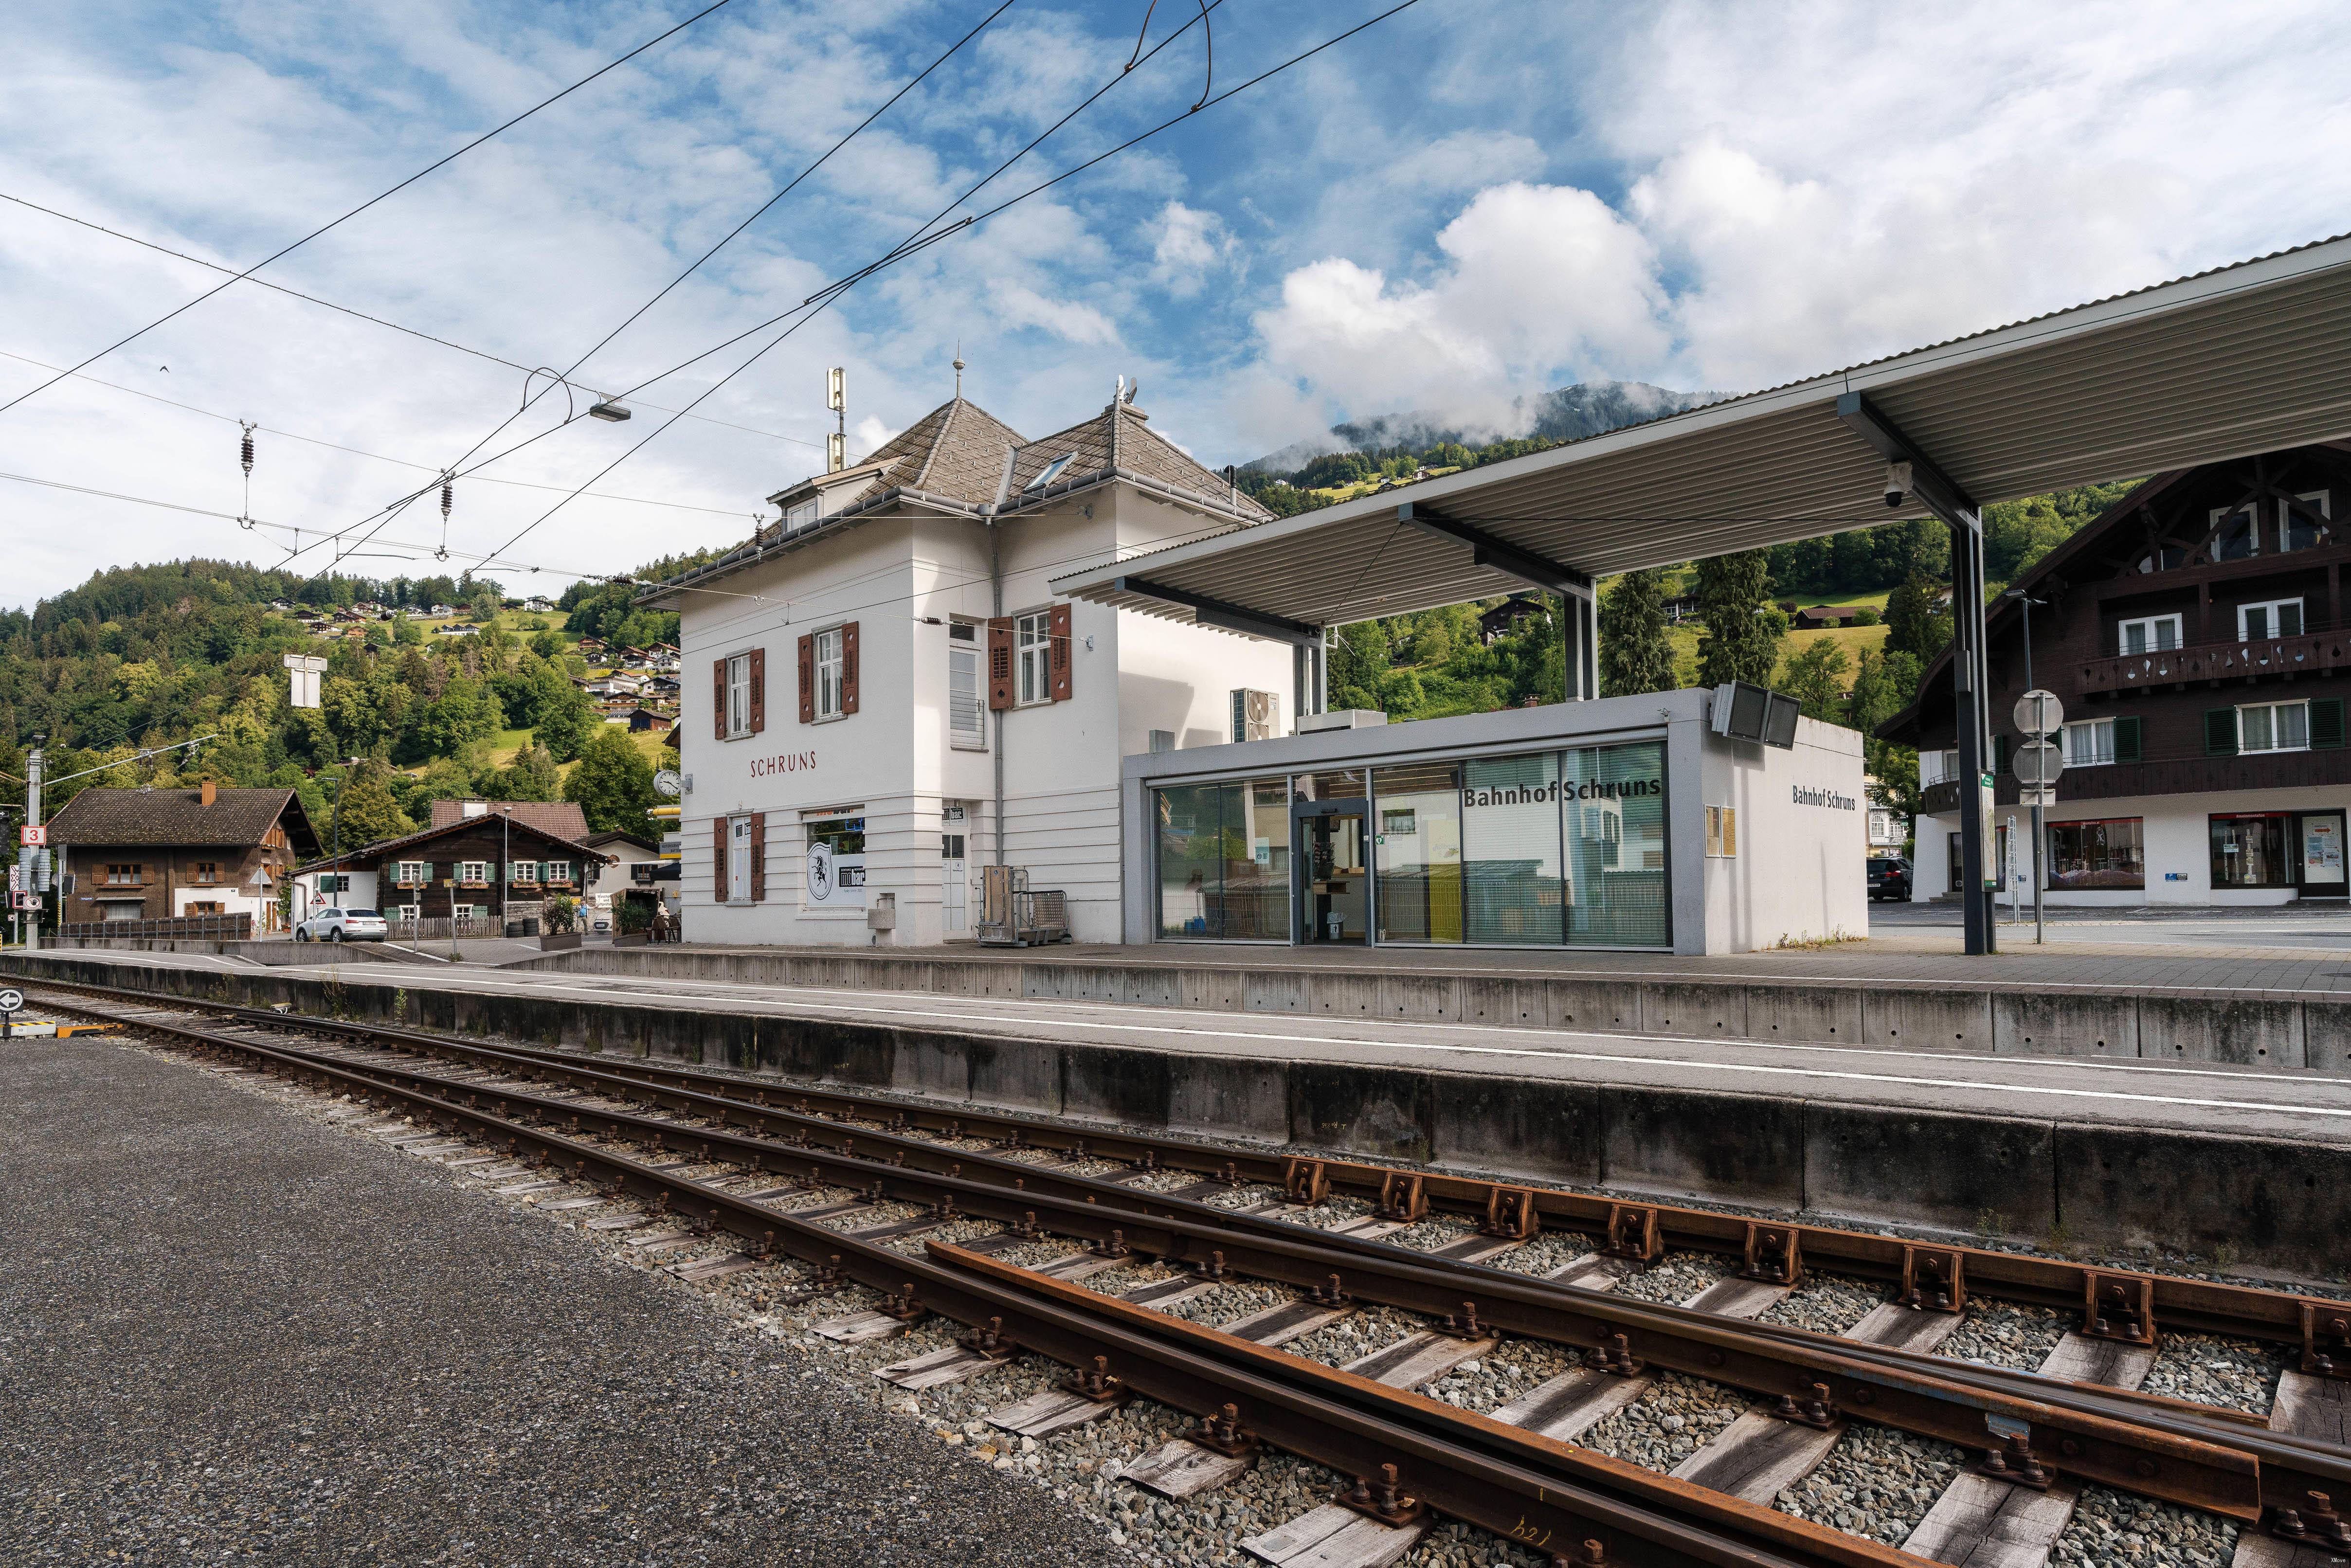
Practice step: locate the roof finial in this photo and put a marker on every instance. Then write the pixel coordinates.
(958, 367)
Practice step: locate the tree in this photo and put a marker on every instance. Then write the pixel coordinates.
(566, 718)
(613, 783)
(464, 713)
(370, 814)
(486, 602)
(1636, 653)
(532, 776)
(1815, 675)
(1915, 624)
(1741, 638)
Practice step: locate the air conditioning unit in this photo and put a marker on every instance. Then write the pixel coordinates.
(1256, 715)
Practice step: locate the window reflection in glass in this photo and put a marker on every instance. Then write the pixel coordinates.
(1513, 876)
(1417, 840)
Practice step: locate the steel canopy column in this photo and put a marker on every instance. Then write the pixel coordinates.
(1580, 637)
(1970, 671)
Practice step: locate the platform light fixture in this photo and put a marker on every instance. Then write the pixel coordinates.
(610, 409)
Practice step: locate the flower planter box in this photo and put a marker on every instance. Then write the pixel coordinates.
(563, 943)
(632, 939)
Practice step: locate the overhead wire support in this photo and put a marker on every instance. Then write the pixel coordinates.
(371, 201)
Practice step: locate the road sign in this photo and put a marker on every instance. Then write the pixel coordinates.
(2037, 762)
(2040, 712)
(11, 1000)
(32, 837)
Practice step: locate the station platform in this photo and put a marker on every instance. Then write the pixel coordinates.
(1992, 1132)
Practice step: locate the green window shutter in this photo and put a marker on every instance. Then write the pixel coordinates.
(2129, 747)
(2326, 723)
(2220, 732)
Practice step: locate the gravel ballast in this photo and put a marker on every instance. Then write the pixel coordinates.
(232, 1335)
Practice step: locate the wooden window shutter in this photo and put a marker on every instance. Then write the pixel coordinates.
(758, 856)
(718, 856)
(849, 668)
(999, 663)
(718, 695)
(2325, 724)
(2220, 732)
(758, 690)
(1057, 652)
(2129, 744)
(807, 678)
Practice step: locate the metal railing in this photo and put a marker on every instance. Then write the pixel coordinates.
(197, 927)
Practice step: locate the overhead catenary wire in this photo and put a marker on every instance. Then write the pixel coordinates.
(372, 201)
(395, 508)
(347, 310)
(827, 297)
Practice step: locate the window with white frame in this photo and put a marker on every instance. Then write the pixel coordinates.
(802, 513)
(966, 699)
(829, 668)
(738, 695)
(2273, 618)
(2150, 635)
(2296, 530)
(1033, 648)
(738, 861)
(473, 872)
(525, 871)
(1935, 766)
(2089, 743)
(2273, 726)
(2238, 532)
(410, 874)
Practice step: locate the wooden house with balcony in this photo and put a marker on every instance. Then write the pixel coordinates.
(132, 858)
(2195, 632)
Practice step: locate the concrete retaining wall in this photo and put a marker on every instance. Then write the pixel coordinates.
(2273, 1204)
(1983, 1020)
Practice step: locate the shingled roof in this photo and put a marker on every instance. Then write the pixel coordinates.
(386, 849)
(1119, 439)
(564, 818)
(179, 817)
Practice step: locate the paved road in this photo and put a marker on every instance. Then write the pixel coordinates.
(2299, 1104)
(230, 1335)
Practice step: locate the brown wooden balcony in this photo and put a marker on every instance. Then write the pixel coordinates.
(2231, 661)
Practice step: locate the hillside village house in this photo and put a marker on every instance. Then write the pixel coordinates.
(479, 860)
(884, 695)
(2195, 633)
(156, 854)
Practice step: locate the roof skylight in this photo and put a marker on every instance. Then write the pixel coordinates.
(1050, 472)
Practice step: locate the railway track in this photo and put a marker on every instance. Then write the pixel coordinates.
(1203, 1216)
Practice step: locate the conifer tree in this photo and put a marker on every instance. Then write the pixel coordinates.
(1742, 639)
(1636, 653)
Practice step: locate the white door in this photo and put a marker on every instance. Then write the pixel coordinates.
(955, 885)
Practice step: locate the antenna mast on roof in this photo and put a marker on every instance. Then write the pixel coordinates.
(958, 368)
(836, 398)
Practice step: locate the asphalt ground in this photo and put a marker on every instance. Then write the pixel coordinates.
(229, 1334)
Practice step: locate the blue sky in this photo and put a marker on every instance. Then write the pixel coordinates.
(1468, 202)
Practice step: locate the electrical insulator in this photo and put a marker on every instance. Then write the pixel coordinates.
(448, 491)
(244, 452)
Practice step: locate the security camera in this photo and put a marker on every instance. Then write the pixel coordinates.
(1898, 483)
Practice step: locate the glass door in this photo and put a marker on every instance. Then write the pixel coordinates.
(1333, 872)
(2321, 843)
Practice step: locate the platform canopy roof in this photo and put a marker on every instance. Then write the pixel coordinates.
(2240, 359)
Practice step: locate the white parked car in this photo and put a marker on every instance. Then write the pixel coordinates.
(343, 925)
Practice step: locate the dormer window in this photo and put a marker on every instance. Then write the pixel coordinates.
(802, 513)
(1050, 472)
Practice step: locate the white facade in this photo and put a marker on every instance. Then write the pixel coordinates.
(784, 797)
(2176, 839)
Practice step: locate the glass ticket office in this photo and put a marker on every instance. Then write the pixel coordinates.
(1555, 848)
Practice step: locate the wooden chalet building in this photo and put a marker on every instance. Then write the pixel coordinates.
(2195, 632)
(500, 861)
(165, 854)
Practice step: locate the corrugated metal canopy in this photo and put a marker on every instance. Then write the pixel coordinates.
(2241, 360)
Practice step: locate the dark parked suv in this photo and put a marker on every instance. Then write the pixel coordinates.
(1888, 878)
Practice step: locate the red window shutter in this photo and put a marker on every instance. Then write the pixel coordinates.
(1057, 652)
(718, 695)
(999, 665)
(759, 857)
(808, 678)
(849, 668)
(718, 855)
(758, 690)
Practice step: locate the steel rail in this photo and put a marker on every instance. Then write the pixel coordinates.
(2315, 1325)
(1598, 1505)
(2174, 1451)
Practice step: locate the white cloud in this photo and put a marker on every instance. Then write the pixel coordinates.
(1541, 280)
(1016, 305)
(1186, 244)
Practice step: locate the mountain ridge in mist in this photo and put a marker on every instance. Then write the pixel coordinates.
(1569, 413)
